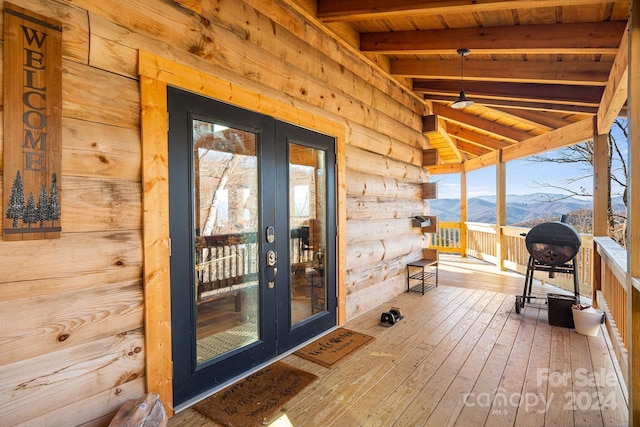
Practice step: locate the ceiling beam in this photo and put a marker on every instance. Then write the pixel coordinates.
(574, 133)
(536, 118)
(570, 73)
(442, 130)
(467, 147)
(572, 38)
(476, 138)
(446, 168)
(615, 93)
(517, 104)
(354, 10)
(483, 125)
(480, 162)
(552, 94)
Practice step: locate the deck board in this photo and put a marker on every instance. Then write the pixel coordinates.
(462, 357)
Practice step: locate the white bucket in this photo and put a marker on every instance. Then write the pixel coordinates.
(587, 321)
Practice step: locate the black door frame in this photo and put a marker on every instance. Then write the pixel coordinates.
(188, 379)
(314, 326)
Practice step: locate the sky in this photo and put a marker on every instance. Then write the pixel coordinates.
(523, 177)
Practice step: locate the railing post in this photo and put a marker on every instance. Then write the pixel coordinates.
(596, 274)
(463, 212)
(501, 211)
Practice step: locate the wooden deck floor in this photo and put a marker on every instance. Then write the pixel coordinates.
(462, 357)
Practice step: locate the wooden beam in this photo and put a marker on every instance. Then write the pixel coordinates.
(430, 157)
(569, 135)
(572, 134)
(536, 118)
(633, 236)
(430, 124)
(634, 145)
(601, 182)
(615, 93)
(462, 133)
(517, 104)
(483, 125)
(581, 38)
(356, 10)
(451, 144)
(480, 162)
(529, 92)
(549, 72)
(476, 150)
(155, 232)
(447, 168)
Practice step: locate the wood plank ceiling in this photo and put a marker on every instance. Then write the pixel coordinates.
(534, 65)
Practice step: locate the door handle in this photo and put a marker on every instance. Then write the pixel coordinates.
(272, 260)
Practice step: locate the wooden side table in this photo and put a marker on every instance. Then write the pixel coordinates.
(424, 272)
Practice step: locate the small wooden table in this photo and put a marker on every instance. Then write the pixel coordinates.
(422, 271)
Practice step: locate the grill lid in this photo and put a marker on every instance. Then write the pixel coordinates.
(553, 243)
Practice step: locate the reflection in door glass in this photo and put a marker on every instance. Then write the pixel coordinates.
(307, 207)
(226, 246)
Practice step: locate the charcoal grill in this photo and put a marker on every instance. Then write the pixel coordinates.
(552, 247)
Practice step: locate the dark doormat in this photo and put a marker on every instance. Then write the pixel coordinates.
(257, 398)
(334, 347)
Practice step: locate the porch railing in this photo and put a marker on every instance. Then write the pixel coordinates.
(448, 237)
(611, 286)
(224, 261)
(601, 266)
(481, 244)
(227, 262)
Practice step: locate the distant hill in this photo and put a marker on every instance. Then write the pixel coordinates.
(521, 209)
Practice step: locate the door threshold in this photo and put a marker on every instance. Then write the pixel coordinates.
(253, 370)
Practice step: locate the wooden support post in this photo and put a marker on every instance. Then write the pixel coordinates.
(501, 209)
(633, 230)
(463, 213)
(601, 187)
(157, 291)
(601, 181)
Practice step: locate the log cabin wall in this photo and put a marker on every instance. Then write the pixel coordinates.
(72, 341)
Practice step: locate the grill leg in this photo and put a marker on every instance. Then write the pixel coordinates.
(528, 280)
(576, 286)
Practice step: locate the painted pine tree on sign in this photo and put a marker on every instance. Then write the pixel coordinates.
(47, 208)
(53, 201)
(15, 210)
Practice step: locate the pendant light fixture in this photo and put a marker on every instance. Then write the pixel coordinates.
(462, 101)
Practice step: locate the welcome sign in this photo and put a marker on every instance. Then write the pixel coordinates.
(32, 125)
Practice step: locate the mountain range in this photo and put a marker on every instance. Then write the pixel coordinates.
(521, 209)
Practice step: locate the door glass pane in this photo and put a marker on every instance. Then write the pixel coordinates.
(226, 246)
(307, 207)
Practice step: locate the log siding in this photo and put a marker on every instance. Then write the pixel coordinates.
(77, 312)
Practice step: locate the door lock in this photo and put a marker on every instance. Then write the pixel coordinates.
(272, 260)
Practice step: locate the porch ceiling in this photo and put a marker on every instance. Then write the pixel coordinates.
(535, 66)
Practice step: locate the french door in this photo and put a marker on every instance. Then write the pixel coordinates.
(252, 228)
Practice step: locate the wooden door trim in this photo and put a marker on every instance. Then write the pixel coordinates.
(155, 74)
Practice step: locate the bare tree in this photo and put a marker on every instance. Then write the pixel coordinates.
(583, 154)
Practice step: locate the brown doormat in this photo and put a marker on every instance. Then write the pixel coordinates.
(334, 347)
(256, 398)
